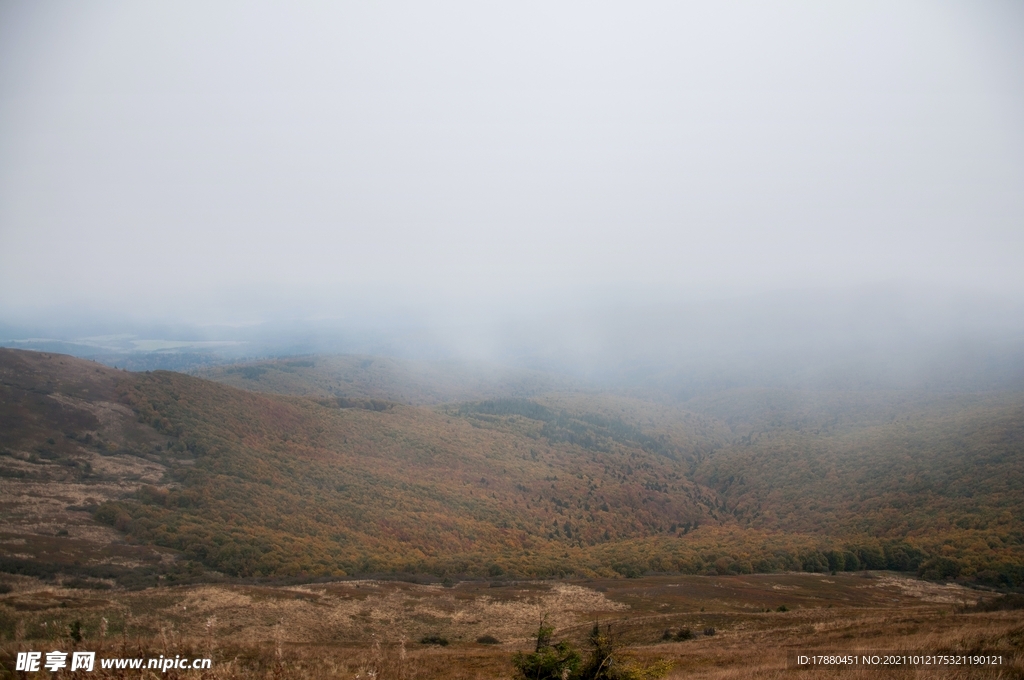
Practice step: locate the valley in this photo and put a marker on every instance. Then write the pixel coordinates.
(325, 521)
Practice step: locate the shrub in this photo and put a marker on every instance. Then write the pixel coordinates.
(1008, 602)
(684, 634)
(547, 662)
(709, 631)
(562, 662)
(434, 639)
(939, 569)
(488, 640)
(628, 570)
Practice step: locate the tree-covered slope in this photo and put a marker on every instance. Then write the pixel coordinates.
(944, 471)
(374, 377)
(258, 484)
(292, 485)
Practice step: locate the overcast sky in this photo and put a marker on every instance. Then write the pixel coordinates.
(219, 162)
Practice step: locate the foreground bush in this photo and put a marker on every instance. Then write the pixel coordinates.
(562, 662)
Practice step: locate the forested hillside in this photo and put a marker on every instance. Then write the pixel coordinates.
(308, 486)
(558, 483)
(374, 377)
(944, 471)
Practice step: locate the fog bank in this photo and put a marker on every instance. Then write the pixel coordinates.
(239, 164)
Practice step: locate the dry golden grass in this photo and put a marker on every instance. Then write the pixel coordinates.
(372, 629)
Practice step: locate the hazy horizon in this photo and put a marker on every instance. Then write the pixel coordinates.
(482, 178)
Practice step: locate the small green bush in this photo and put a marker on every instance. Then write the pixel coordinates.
(562, 662)
(434, 639)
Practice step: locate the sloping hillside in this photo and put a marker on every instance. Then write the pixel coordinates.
(257, 484)
(68, 443)
(943, 470)
(371, 377)
(298, 485)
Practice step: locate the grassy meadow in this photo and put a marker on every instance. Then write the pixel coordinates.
(738, 626)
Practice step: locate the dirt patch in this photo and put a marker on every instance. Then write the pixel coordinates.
(357, 612)
(41, 599)
(926, 591)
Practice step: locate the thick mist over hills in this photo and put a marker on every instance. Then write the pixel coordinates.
(586, 186)
(880, 337)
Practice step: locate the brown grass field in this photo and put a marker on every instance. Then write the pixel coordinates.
(373, 629)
